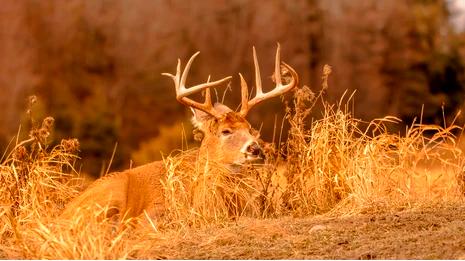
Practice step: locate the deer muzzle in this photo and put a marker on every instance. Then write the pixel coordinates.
(253, 152)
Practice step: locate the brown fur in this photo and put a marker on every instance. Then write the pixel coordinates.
(133, 191)
(228, 139)
(129, 192)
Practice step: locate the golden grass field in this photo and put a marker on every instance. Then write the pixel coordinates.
(336, 188)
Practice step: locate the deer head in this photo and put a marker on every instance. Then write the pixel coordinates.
(228, 137)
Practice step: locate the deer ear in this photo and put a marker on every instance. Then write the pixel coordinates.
(221, 109)
(199, 118)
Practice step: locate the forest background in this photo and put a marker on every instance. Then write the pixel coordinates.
(95, 66)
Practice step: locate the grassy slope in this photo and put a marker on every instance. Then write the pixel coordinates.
(430, 232)
(384, 195)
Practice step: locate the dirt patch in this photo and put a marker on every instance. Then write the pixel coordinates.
(429, 233)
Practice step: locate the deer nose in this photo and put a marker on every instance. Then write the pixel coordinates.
(255, 150)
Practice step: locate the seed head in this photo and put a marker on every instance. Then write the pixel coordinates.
(70, 145)
(20, 153)
(47, 123)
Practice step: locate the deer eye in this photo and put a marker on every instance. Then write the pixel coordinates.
(226, 132)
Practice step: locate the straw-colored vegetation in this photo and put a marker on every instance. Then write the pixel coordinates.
(337, 165)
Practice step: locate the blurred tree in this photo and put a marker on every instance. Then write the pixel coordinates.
(97, 64)
(398, 55)
(431, 69)
(316, 41)
(353, 43)
(98, 133)
(76, 69)
(16, 71)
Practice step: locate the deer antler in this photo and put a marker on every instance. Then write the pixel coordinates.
(279, 88)
(182, 92)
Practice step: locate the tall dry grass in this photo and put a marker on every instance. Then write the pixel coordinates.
(344, 165)
(337, 164)
(36, 182)
(199, 193)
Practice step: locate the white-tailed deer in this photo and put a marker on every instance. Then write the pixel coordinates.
(228, 140)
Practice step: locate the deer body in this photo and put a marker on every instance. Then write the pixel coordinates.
(228, 139)
(129, 192)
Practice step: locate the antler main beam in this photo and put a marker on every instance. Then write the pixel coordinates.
(279, 89)
(182, 91)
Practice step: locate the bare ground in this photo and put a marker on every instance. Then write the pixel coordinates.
(427, 233)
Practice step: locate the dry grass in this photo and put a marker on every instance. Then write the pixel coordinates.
(204, 192)
(337, 164)
(332, 165)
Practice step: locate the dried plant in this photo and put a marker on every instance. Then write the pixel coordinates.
(331, 165)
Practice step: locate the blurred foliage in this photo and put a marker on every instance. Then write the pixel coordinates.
(170, 136)
(435, 75)
(96, 65)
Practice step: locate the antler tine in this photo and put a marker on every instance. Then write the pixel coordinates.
(258, 78)
(182, 92)
(244, 95)
(279, 88)
(277, 66)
